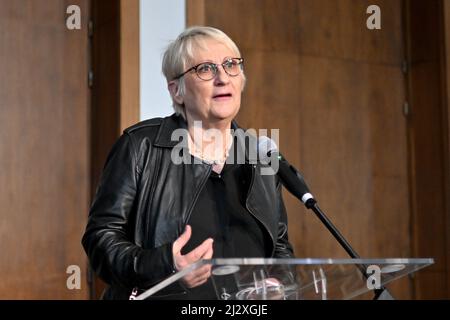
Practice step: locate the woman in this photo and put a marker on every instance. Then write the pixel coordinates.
(152, 215)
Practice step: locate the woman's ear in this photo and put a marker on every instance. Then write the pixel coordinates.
(173, 89)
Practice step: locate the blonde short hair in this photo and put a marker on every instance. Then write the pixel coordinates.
(180, 53)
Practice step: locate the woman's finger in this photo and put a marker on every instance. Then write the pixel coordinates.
(199, 251)
(182, 240)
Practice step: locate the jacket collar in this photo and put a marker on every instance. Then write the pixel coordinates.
(167, 127)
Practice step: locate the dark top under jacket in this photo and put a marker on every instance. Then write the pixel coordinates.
(220, 214)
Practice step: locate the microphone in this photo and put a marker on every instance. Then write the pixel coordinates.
(292, 180)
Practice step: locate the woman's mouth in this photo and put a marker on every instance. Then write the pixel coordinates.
(222, 96)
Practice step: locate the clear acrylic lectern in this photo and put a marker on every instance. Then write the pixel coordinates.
(297, 279)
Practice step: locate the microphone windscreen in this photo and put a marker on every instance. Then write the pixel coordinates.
(265, 147)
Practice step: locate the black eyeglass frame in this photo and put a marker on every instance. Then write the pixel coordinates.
(216, 66)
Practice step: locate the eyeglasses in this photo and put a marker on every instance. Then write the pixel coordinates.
(208, 70)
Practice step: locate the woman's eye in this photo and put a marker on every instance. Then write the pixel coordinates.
(205, 68)
(230, 64)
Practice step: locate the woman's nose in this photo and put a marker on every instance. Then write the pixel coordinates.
(221, 77)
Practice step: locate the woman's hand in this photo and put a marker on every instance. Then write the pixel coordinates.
(203, 251)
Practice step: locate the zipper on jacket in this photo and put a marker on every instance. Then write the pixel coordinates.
(155, 174)
(202, 184)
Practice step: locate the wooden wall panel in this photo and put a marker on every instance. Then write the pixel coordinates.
(44, 149)
(106, 85)
(129, 63)
(196, 14)
(429, 228)
(446, 121)
(115, 92)
(340, 30)
(427, 132)
(354, 155)
(356, 145)
(105, 120)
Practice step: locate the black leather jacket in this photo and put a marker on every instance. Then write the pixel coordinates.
(144, 201)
